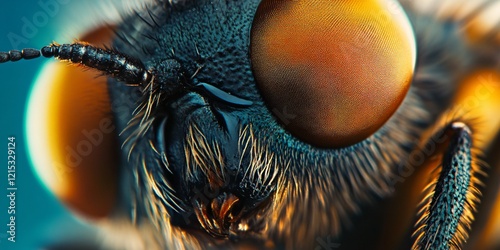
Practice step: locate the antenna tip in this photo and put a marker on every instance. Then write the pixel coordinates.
(4, 57)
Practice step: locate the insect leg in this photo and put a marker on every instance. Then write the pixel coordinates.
(447, 209)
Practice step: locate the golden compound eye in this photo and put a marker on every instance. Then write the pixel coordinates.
(341, 67)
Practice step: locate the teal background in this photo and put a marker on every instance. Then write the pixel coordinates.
(39, 217)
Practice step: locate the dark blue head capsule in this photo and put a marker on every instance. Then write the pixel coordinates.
(202, 147)
(223, 139)
(194, 131)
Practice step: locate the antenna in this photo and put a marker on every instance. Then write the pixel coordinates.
(107, 61)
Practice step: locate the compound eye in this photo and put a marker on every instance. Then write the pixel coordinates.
(341, 67)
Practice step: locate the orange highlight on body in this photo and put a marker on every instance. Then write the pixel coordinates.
(82, 145)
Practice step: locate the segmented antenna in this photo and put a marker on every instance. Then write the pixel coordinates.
(110, 62)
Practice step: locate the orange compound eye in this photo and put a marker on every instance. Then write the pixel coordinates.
(342, 67)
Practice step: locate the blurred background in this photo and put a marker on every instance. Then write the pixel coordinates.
(41, 219)
(39, 216)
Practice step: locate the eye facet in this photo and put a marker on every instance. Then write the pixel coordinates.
(341, 67)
